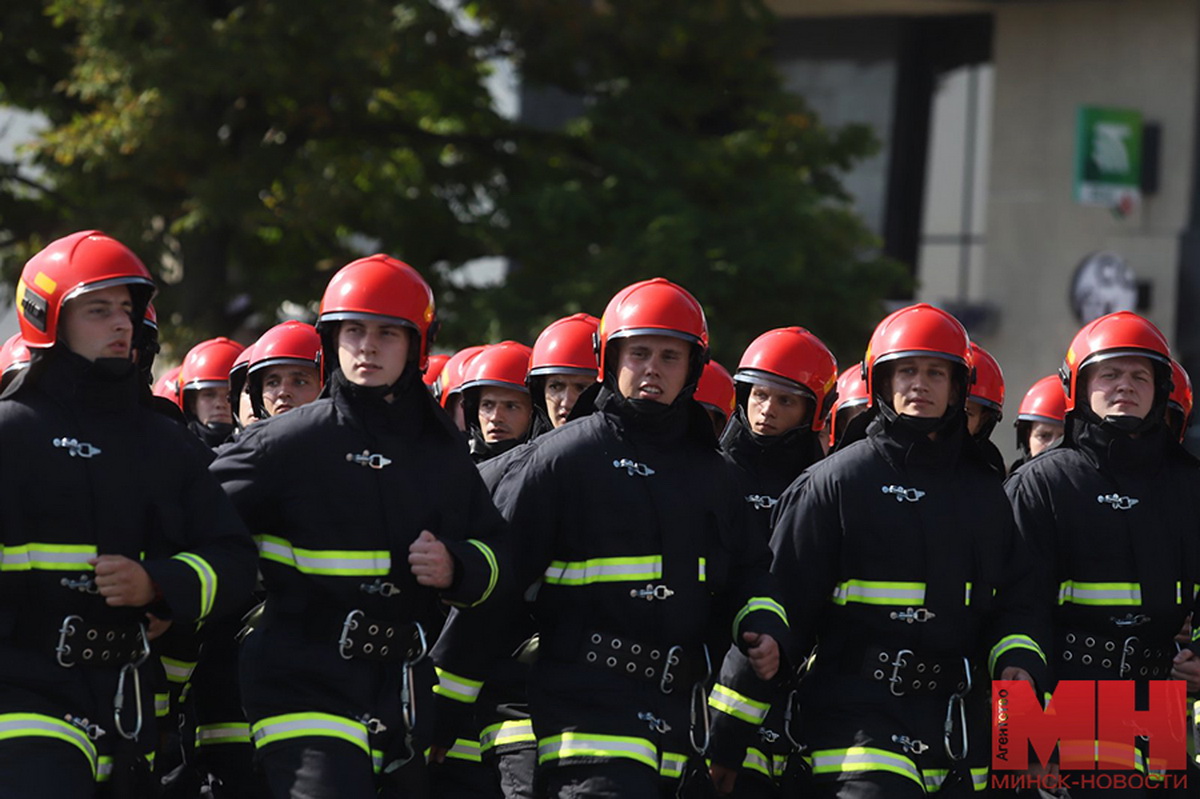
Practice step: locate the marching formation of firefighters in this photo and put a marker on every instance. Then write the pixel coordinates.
(335, 564)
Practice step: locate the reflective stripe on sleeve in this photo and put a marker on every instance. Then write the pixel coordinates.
(879, 592)
(208, 580)
(453, 686)
(1010, 642)
(178, 671)
(739, 706)
(494, 568)
(325, 562)
(578, 744)
(758, 603)
(465, 749)
(234, 732)
(604, 570)
(518, 731)
(162, 705)
(309, 725)
(35, 725)
(672, 765)
(1099, 594)
(703, 571)
(864, 758)
(756, 761)
(47, 557)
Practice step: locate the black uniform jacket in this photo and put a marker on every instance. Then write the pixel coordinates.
(334, 493)
(1114, 522)
(86, 469)
(899, 544)
(634, 527)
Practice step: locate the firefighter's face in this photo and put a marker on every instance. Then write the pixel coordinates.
(289, 386)
(652, 367)
(772, 411)
(372, 353)
(921, 386)
(504, 413)
(562, 391)
(99, 324)
(1121, 386)
(1042, 435)
(211, 405)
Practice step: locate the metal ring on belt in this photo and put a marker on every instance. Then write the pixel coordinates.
(80, 643)
(906, 673)
(1127, 657)
(667, 665)
(372, 639)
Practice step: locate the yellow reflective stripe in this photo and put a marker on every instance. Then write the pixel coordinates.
(864, 758)
(934, 777)
(309, 725)
(756, 761)
(325, 562)
(494, 575)
(178, 671)
(758, 603)
(456, 687)
(518, 731)
(672, 765)
(104, 768)
(578, 744)
(703, 574)
(604, 570)
(234, 732)
(465, 749)
(1099, 594)
(979, 778)
(208, 580)
(879, 592)
(35, 725)
(1010, 642)
(47, 557)
(738, 705)
(162, 705)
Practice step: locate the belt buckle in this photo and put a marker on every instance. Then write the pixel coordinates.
(345, 642)
(898, 664)
(672, 659)
(1128, 647)
(64, 632)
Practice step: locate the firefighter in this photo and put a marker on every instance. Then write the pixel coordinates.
(985, 405)
(112, 530)
(239, 392)
(454, 372)
(1040, 419)
(433, 373)
(629, 521)
(204, 389)
(785, 384)
(563, 365)
(899, 561)
(850, 401)
(496, 402)
(1111, 514)
(14, 356)
(284, 369)
(368, 513)
(716, 395)
(1179, 404)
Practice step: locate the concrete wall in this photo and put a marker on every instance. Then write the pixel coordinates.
(1049, 60)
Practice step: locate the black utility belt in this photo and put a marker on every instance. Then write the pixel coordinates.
(908, 673)
(667, 665)
(374, 639)
(81, 643)
(1128, 658)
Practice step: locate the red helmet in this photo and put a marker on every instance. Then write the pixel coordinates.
(207, 365)
(1044, 402)
(237, 376)
(918, 330)
(289, 342)
(455, 372)
(792, 359)
(434, 371)
(566, 346)
(716, 389)
(1114, 335)
(167, 386)
(988, 388)
(655, 307)
(380, 287)
(851, 391)
(503, 365)
(71, 266)
(1181, 391)
(14, 356)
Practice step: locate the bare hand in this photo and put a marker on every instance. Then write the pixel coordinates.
(156, 626)
(430, 561)
(763, 653)
(723, 778)
(1186, 666)
(123, 582)
(1017, 673)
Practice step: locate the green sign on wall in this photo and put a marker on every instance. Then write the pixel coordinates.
(1108, 157)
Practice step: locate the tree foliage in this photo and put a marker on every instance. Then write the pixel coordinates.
(247, 149)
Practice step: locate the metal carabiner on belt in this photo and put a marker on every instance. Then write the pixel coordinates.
(958, 699)
(119, 697)
(700, 700)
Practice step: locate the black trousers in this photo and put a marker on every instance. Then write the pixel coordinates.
(39, 768)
